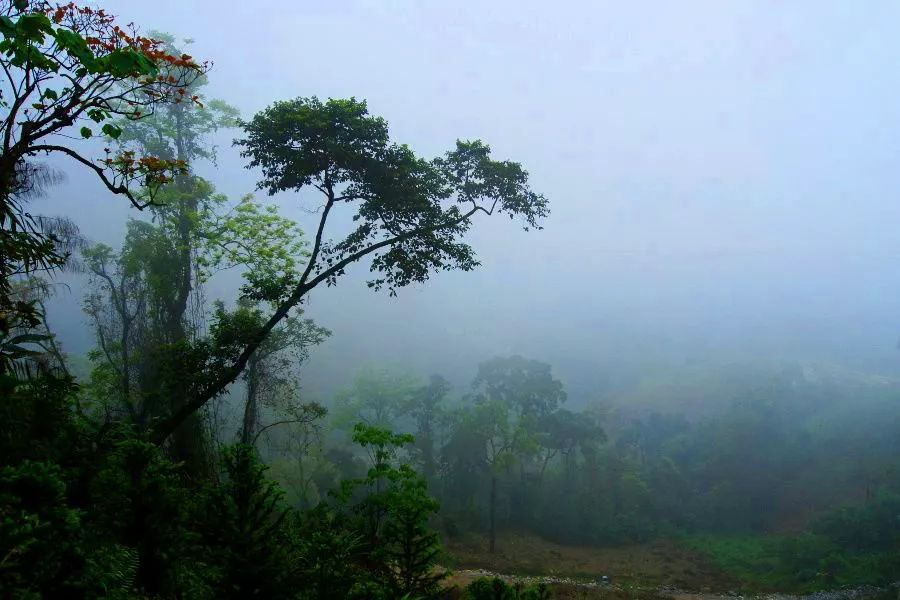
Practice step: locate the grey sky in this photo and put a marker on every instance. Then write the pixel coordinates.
(723, 174)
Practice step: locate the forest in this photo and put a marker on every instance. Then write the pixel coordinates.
(187, 454)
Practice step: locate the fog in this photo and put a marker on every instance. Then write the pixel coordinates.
(722, 177)
(681, 382)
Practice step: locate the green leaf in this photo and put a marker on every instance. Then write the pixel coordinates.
(33, 26)
(50, 95)
(128, 63)
(112, 131)
(78, 48)
(96, 115)
(7, 27)
(86, 132)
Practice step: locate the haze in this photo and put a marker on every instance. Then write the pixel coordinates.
(722, 176)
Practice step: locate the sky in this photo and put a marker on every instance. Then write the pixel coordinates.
(723, 176)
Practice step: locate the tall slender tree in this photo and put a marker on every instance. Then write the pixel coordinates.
(70, 70)
(410, 214)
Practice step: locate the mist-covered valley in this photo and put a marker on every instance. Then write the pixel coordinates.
(406, 300)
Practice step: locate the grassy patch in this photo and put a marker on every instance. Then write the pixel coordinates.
(797, 563)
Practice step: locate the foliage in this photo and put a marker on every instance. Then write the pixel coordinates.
(249, 532)
(411, 214)
(254, 237)
(95, 511)
(376, 397)
(328, 552)
(426, 407)
(75, 66)
(485, 588)
(102, 488)
(875, 525)
(803, 563)
(69, 67)
(525, 385)
(390, 508)
(41, 538)
(140, 502)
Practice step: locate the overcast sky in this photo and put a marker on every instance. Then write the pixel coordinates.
(723, 176)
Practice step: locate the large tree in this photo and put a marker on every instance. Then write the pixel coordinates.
(377, 397)
(514, 398)
(142, 298)
(70, 72)
(426, 407)
(272, 379)
(68, 67)
(525, 385)
(410, 214)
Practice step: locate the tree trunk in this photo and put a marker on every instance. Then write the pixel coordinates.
(189, 446)
(251, 411)
(493, 515)
(189, 443)
(427, 453)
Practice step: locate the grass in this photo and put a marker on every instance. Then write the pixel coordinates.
(791, 563)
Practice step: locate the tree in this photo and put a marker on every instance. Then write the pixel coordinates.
(141, 320)
(391, 516)
(249, 530)
(136, 499)
(410, 214)
(165, 264)
(425, 407)
(169, 252)
(117, 305)
(527, 386)
(513, 395)
(67, 67)
(376, 398)
(411, 547)
(563, 432)
(272, 381)
(502, 439)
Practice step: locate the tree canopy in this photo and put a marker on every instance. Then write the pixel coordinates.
(411, 214)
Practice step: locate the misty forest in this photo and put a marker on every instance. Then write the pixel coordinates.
(282, 315)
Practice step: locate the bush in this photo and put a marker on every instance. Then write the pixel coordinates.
(486, 588)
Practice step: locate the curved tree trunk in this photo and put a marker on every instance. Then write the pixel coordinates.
(251, 407)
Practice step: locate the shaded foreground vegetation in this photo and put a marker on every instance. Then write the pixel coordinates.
(184, 462)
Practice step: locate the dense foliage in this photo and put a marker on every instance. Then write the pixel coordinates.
(786, 477)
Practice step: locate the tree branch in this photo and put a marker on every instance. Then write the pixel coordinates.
(110, 185)
(276, 423)
(317, 246)
(167, 426)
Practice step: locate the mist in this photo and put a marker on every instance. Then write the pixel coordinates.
(716, 287)
(723, 177)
